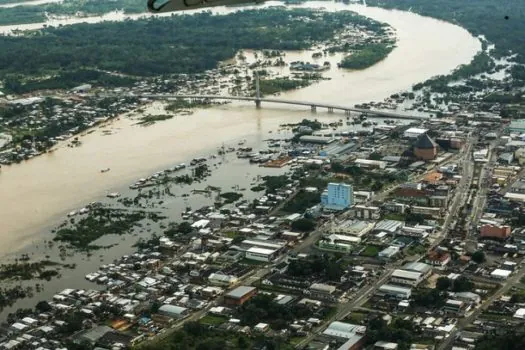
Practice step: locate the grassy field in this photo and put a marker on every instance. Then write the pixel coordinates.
(213, 320)
(370, 251)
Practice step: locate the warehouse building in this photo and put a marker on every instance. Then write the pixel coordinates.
(239, 295)
(392, 291)
(407, 278)
(173, 311)
(261, 254)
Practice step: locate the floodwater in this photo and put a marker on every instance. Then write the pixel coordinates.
(34, 193)
(37, 194)
(30, 3)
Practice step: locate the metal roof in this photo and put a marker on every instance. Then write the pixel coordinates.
(239, 292)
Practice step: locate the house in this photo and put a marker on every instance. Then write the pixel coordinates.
(457, 307)
(219, 279)
(438, 258)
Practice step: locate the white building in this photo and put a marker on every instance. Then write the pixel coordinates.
(414, 133)
(369, 163)
(392, 291)
(408, 278)
(261, 254)
(389, 252)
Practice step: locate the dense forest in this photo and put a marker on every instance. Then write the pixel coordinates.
(34, 14)
(501, 22)
(509, 341)
(177, 44)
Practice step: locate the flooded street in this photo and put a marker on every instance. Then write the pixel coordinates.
(36, 195)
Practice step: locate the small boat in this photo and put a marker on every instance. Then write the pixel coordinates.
(105, 170)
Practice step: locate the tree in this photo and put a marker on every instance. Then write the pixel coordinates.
(303, 225)
(185, 227)
(375, 156)
(478, 257)
(443, 283)
(43, 306)
(462, 284)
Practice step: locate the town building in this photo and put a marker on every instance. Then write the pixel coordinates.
(172, 311)
(356, 228)
(393, 291)
(408, 278)
(353, 334)
(261, 254)
(425, 148)
(438, 258)
(495, 231)
(413, 133)
(371, 164)
(517, 126)
(239, 295)
(337, 196)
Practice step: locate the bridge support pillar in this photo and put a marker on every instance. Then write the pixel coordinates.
(257, 103)
(347, 112)
(313, 108)
(330, 110)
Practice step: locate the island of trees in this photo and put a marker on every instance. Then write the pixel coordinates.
(367, 57)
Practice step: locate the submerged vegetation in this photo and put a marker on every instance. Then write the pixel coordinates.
(100, 222)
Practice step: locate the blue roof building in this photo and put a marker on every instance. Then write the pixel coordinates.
(338, 196)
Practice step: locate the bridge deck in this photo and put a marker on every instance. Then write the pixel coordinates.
(290, 102)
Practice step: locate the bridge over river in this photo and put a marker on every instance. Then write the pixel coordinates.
(259, 100)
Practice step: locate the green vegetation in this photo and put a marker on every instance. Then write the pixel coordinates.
(263, 308)
(303, 225)
(302, 201)
(231, 197)
(100, 222)
(366, 57)
(197, 336)
(67, 80)
(481, 63)
(152, 119)
(27, 270)
(213, 320)
(272, 86)
(329, 268)
(167, 45)
(182, 104)
(402, 332)
(273, 183)
(478, 257)
(35, 14)
(9, 295)
(370, 251)
(513, 339)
